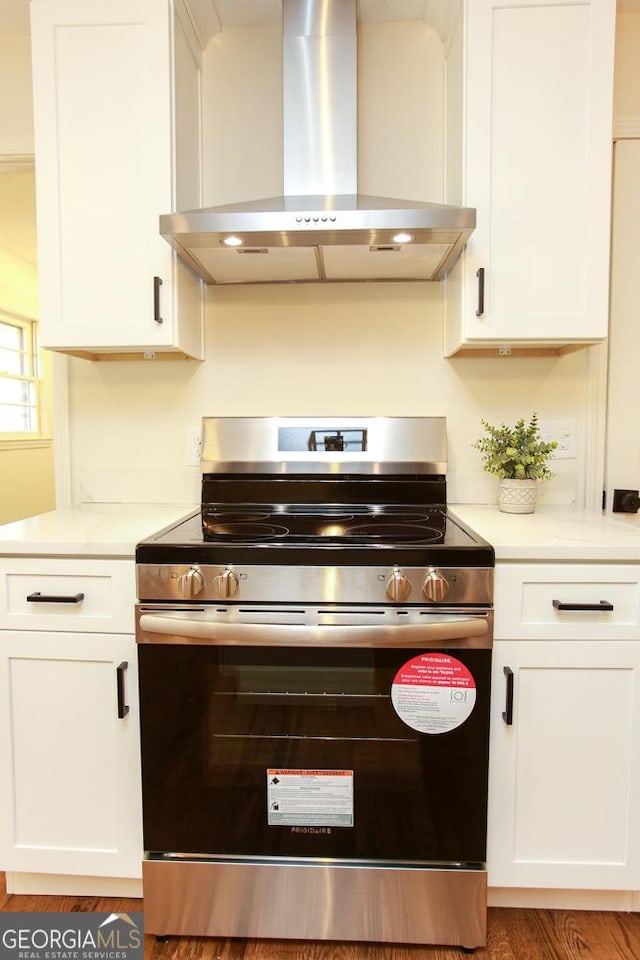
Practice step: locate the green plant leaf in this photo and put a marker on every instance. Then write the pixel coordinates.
(515, 452)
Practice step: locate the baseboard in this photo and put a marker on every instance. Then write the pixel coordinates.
(69, 885)
(625, 900)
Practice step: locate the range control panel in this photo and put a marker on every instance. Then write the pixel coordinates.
(246, 583)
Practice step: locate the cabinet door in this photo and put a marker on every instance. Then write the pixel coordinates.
(103, 109)
(538, 80)
(70, 796)
(564, 786)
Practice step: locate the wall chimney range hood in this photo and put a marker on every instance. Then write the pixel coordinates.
(321, 229)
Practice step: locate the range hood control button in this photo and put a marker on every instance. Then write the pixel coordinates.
(191, 583)
(225, 585)
(398, 586)
(435, 587)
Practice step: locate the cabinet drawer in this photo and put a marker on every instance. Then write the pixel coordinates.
(587, 601)
(89, 595)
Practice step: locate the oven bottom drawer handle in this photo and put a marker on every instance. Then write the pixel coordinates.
(163, 629)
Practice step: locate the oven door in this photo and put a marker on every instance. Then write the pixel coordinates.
(356, 735)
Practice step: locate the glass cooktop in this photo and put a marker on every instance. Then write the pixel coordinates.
(299, 533)
(370, 526)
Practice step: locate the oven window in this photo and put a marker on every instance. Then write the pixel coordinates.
(218, 721)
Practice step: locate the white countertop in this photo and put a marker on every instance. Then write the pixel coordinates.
(95, 529)
(112, 530)
(555, 533)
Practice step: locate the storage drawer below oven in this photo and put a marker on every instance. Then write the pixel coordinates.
(321, 901)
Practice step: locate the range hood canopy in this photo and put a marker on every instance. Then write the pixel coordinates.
(321, 229)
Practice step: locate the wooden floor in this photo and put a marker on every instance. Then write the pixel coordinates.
(513, 935)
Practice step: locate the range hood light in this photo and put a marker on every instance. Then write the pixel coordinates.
(402, 238)
(233, 241)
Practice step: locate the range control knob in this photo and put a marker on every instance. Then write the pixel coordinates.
(435, 587)
(225, 585)
(191, 583)
(398, 586)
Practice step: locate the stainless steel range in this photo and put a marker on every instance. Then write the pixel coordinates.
(315, 658)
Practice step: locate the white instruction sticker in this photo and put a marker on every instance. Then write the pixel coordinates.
(310, 798)
(433, 693)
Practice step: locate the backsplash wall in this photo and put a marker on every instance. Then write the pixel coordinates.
(310, 350)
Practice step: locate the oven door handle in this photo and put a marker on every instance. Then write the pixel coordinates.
(471, 630)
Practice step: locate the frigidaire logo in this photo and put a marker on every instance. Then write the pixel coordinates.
(311, 830)
(71, 936)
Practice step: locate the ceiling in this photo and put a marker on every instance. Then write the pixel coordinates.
(244, 13)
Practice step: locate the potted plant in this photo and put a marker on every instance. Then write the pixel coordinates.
(519, 457)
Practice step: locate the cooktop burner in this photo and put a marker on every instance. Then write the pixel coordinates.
(393, 533)
(240, 531)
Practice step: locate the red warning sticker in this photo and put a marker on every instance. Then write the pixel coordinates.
(433, 693)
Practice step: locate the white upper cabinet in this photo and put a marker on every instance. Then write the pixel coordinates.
(529, 102)
(117, 97)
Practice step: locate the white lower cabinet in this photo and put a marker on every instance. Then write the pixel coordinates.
(564, 807)
(70, 797)
(564, 779)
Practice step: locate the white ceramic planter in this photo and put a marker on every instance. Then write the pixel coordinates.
(517, 496)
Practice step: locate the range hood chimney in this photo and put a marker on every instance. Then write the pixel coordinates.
(321, 229)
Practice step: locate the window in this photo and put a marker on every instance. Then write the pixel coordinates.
(19, 378)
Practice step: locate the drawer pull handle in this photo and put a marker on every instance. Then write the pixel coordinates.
(123, 708)
(50, 598)
(507, 713)
(583, 607)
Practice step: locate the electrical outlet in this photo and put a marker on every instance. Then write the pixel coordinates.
(564, 433)
(194, 446)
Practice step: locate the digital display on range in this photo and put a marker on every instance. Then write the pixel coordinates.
(327, 439)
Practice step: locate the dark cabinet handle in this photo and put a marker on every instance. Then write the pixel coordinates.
(480, 276)
(38, 597)
(583, 607)
(157, 283)
(507, 713)
(123, 708)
